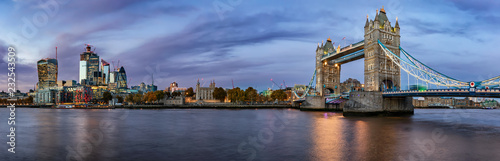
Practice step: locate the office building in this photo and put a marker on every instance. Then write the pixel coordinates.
(89, 65)
(121, 79)
(47, 73)
(105, 71)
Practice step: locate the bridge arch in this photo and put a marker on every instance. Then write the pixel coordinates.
(387, 84)
(329, 91)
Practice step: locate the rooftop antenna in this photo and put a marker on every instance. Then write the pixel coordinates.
(152, 79)
(56, 52)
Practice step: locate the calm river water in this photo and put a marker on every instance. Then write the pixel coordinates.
(270, 134)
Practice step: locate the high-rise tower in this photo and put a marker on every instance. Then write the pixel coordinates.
(105, 71)
(47, 73)
(327, 73)
(121, 79)
(380, 72)
(89, 67)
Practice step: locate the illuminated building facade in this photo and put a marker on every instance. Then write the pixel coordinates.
(121, 79)
(175, 87)
(89, 66)
(205, 93)
(47, 73)
(83, 72)
(105, 71)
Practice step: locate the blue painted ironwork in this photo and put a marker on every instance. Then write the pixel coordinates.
(308, 87)
(350, 56)
(495, 93)
(418, 71)
(346, 48)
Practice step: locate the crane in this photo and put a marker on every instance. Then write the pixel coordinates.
(276, 83)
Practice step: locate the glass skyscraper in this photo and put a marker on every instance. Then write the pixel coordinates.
(121, 79)
(105, 71)
(47, 73)
(92, 67)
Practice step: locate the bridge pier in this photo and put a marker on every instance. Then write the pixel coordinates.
(373, 104)
(313, 103)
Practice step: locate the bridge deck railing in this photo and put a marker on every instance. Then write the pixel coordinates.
(443, 91)
(354, 45)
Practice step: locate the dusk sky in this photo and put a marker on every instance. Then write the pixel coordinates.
(248, 41)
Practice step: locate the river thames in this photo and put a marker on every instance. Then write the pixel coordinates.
(267, 134)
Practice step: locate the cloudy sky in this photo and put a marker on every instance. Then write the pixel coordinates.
(247, 41)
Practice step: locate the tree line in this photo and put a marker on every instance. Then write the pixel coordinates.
(237, 95)
(25, 101)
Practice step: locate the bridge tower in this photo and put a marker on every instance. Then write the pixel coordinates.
(380, 72)
(327, 73)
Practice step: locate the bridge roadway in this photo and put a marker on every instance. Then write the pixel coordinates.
(347, 54)
(490, 93)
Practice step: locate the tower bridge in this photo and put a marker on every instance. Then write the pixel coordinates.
(384, 60)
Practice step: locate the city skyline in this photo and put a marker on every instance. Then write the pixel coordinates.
(189, 40)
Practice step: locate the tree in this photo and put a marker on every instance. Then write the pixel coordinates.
(251, 94)
(279, 95)
(138, 98)
(176, 93)
(159, 95)
(236, 95)
(27, 100)
(167, 93)
(106, 96)
(232, 94)
(120, 99)
(189, 92)
(241, 95)
(130, 98)
(220, 94)
(149, 97)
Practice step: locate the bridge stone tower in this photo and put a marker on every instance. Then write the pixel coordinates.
(327, 73)
(380, 72)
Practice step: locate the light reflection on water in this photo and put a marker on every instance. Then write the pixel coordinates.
(208, 134)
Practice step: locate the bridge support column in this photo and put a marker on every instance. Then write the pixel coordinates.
(313, 103)
(373, 104)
